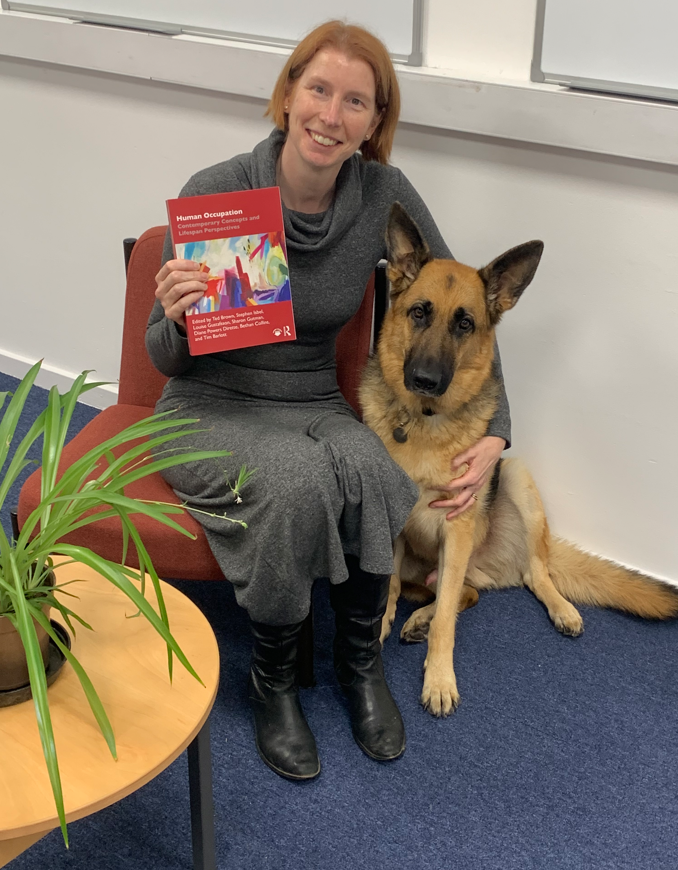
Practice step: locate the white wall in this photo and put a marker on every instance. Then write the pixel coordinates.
(590, 353)
(481, 39)
(88, 160)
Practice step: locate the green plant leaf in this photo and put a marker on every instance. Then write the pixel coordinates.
(36, 673)
(70, 401)
(146, 564)
(11, 416)
(50, 451)
(94, 482)
(118, 577)
(90, 692)
(125, 537)
(16, 464)
(37, 428)
(77, 517)
(170, 462)
(144, 449)
(75, 476)
(67, 613)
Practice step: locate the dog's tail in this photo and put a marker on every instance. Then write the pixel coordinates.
(586, 579)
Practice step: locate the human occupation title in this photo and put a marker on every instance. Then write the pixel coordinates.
(208, 214)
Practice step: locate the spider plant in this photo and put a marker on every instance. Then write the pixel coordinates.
(91, 489)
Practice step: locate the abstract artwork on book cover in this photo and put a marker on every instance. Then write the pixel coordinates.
(238, 238)
(245, 270)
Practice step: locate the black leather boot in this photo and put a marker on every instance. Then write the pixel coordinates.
(359, 605)
(284, 740)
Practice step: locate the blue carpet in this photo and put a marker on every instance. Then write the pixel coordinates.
(561, 756)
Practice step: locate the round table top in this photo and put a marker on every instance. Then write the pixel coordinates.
(153, 720)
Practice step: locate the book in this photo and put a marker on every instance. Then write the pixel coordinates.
(239, 238)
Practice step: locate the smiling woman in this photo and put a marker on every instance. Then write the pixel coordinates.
(331, 112)
(349, 43)
(326, 500)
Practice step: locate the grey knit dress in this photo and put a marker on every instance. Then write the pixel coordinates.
(325, 485)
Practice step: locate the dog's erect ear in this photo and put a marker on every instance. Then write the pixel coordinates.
(506, 277)
(407, 250)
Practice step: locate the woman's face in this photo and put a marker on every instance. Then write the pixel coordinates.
(331, 109)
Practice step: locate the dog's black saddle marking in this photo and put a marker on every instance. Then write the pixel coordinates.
(494, 483)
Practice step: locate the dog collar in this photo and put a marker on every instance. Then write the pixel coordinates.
(400, 433)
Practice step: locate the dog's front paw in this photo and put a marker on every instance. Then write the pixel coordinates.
(440, 696)
(386, 626)
(416, 628)
(389, 617)
(568, 620)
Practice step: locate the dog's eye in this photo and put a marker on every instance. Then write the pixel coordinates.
(462, 322)
(421, 314)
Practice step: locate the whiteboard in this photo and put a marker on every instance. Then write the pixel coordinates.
(398, 23)
(623, 46)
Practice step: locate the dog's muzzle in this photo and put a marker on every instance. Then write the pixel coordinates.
(428, 377)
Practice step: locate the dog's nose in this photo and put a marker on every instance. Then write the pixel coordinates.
(428, 376)
(425, 381)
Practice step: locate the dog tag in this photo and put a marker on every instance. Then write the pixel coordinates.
(400, 435)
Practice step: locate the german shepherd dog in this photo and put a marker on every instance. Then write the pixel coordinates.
(429, 394)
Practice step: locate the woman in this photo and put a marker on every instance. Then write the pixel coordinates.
(326, 500)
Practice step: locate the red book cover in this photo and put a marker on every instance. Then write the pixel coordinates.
(239, 239)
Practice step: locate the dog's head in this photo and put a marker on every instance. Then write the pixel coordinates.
(439, 330)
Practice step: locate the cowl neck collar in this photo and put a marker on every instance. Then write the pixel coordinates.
(309, 232)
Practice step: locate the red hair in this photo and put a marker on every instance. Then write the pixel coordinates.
(354, 42)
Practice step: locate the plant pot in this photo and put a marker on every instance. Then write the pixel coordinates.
(13, 667)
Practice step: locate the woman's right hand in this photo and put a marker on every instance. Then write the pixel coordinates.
(180, 283)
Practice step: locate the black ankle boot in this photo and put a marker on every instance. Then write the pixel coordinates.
(359, 605)
(284, 740)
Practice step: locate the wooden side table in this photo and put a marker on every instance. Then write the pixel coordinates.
(154, 720)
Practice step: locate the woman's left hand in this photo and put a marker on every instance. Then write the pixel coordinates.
(481, 459)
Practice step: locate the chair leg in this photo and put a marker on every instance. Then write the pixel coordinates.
(202, 800)
(305, 673)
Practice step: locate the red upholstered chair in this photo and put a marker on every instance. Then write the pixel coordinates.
(175, 556)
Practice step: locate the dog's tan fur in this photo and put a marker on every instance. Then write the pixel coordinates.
(503, 539)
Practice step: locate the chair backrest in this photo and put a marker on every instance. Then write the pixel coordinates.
(141, 383)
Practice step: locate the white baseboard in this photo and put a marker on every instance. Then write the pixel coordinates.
(17, 366)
